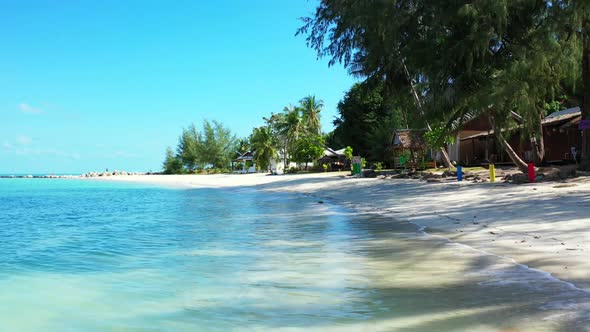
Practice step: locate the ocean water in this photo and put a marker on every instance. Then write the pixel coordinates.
(82, 255)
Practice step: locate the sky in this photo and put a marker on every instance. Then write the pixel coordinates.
(89, 85)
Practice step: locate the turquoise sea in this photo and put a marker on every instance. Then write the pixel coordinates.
(82, 255)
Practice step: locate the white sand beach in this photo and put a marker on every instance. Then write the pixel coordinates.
(544, 226)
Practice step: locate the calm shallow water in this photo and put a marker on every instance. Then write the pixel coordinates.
(94, 256)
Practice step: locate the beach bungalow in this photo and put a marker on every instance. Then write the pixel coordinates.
(335, 159)
(246, 159)
(408, 140)
(561, 137)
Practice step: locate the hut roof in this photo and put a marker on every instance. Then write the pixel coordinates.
(409, 139)
(571, 117)
(246, 156)
(561, 116)
(341, 152)
(328, 152)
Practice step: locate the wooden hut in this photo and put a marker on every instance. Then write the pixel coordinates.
(245, 159)
(411, 140)
(561, 136)
(335, 159)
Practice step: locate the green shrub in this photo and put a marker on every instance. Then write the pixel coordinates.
(378, 166)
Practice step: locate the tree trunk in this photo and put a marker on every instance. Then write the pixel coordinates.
(445, 156)
(522, 166)
(285, 150)
(585, 163)
(539, 145)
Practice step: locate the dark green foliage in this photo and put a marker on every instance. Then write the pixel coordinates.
(308, 149)
(457, 59)
(360, 112)
(189, 148)
(172, 163)
(293, 124)
(438, 137)
(381, 138)
(264, 146)
(243, 145)
(218, 145)
(555, 106)
(310, 108)
(213, 148)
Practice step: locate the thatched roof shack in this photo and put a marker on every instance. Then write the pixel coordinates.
(334, 158)
(409, 139)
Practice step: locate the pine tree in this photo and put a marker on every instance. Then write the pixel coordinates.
(457, 59)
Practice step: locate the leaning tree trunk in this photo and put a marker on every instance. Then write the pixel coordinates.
(445, 156)
(585, 163)
(522, 166)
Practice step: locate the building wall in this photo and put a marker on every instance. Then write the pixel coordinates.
(472, 151)
(457, 150)
(558, 143)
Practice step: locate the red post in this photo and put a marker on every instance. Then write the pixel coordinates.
(531, 173)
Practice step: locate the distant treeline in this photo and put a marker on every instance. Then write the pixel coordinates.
(291, 135)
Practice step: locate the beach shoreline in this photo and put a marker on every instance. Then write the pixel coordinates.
(543, 226)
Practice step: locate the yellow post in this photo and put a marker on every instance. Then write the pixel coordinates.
(492, 173)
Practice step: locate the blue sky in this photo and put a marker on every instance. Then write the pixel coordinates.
(89, 85)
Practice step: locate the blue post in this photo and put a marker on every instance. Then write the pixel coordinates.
(459, 173)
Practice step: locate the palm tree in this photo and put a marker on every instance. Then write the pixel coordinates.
(263, 144)
(289, 126)
(310, 109)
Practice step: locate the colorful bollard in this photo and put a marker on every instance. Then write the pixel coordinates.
(459, 173)
(492, 173)
(531, 173)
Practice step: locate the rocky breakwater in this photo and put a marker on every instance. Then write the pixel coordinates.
(114, 173)
(50, 176)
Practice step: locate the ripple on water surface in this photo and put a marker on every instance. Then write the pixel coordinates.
(93, 256)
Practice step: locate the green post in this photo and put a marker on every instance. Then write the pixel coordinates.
(356, 165)
(402, 161)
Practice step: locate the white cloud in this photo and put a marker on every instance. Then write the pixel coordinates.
(27, 108)
(24, 140)
(7, 146)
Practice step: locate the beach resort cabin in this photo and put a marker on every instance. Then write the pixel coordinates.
(561, 138)
(409, 148)
(335, 159)
(245, 163)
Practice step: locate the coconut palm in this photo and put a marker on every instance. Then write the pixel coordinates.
(289, 126)
(263, 144)
(310, 114)
(292, 124)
